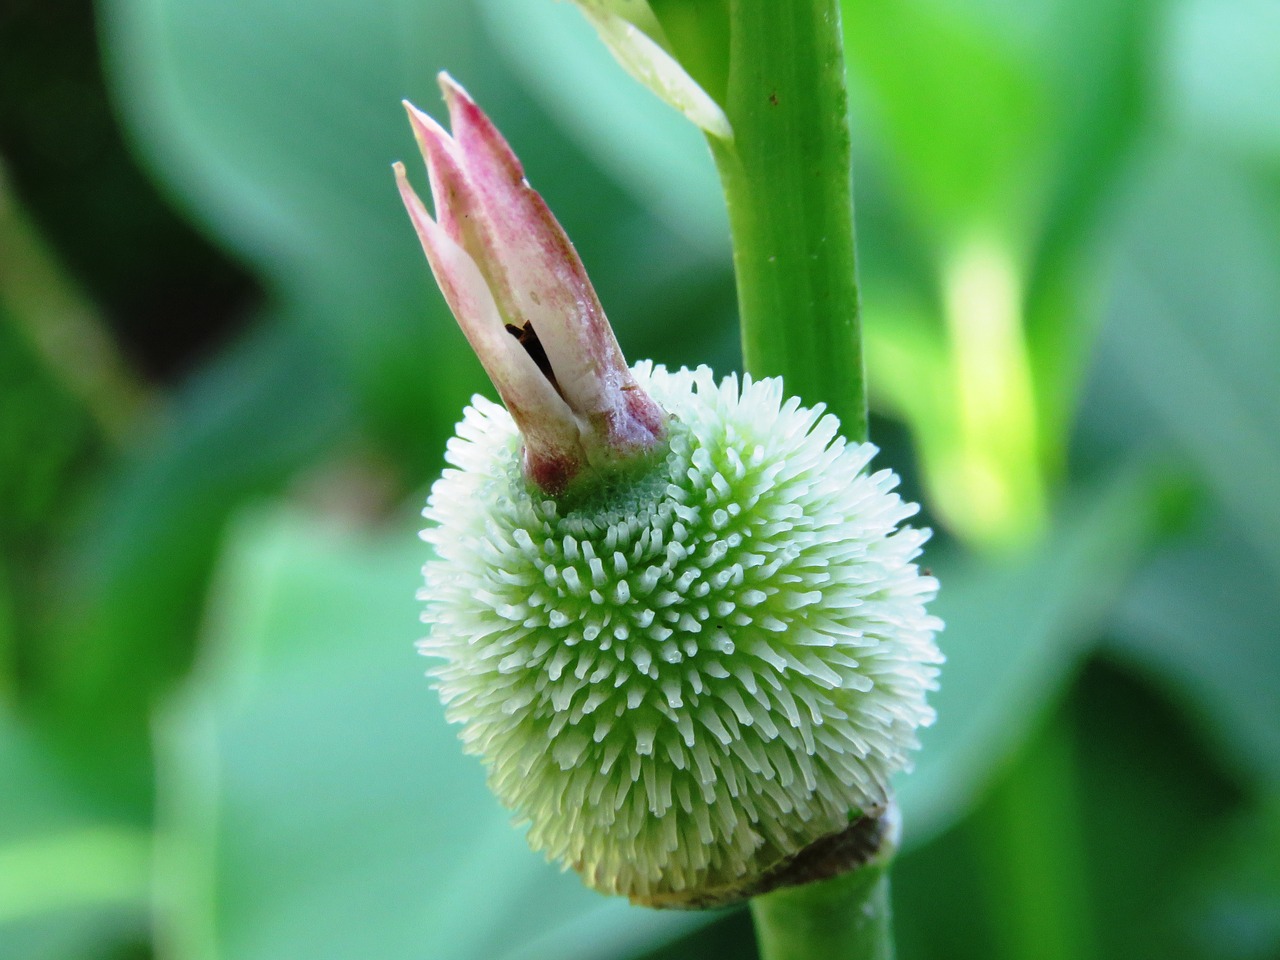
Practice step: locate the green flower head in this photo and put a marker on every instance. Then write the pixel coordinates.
(688, 660)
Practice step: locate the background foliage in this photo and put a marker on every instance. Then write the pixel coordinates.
(225, 382)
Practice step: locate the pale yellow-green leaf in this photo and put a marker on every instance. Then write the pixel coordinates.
(645, 59)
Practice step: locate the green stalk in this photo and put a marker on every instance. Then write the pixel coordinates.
(787, 179)
(788, 183)
(845, 918)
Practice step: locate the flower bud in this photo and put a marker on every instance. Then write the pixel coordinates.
(521, 295)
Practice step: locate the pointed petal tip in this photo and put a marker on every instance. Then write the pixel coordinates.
(417, 210)
(417, 116)
(463, 110)
(402, 182)
(424, 124)
(402, 178)
(450, 87)
(439, 152)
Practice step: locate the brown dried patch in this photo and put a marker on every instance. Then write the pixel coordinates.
(855, 846)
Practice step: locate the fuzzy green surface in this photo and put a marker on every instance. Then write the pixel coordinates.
(701, 670)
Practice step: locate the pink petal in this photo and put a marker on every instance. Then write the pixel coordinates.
(550, 429)
(544, 284)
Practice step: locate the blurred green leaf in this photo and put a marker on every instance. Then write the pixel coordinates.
(1104, 58)
(997, 132)
(139, 563)
(72, 882)
(277, 126)
(1188, 361)
(1223, 75)
(1193, 328)
(1000, 116)
(1090, 844)
(1237, 908)
(8, 634)
(315, 803)
(1016, 632)
(1154, 802)
(45, 438)
(962, 109)
(728, 936)
(1203, 619)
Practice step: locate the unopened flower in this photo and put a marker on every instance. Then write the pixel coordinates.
(520, 293)
(705, 652)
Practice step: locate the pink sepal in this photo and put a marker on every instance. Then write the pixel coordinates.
(505, 264)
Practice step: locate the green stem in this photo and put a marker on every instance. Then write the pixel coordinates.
(788, 183)
(846, 918)
(787, 179)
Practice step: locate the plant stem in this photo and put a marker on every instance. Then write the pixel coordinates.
(787, 178)
(845, 918)
(788, 183)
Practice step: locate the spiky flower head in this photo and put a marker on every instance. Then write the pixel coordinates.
(691, 666)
